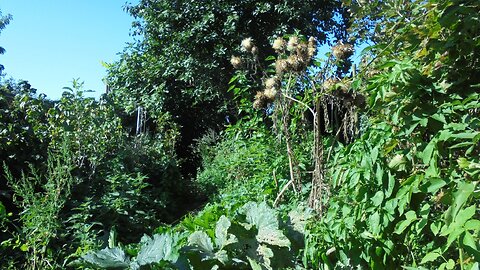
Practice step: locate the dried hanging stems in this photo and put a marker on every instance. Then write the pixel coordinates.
(294, 56)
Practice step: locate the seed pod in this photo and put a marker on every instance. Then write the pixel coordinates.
(236, 62)
(270, 94)
(342, 51)
(292, 43)
(272, 82)
(330, 84)
(281, 66)
(279, 45)
(260, 101)
(295, 63)
(247, 44)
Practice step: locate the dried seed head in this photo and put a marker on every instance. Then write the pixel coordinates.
(302, 52)
(312, 47)
(236, 62)
(295, 63)
(330, 84)
(272, 82)
(255, 50)
(281, 66)
(292, 43)
(279, 45)
(247, 44)
(260, 101)
(342, 51)
(270, 94)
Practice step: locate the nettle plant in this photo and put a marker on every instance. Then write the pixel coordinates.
(292, 88)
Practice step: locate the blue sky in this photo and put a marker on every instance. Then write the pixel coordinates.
(48, 43)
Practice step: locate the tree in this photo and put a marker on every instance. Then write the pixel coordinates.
(180, 63)
(4, 21)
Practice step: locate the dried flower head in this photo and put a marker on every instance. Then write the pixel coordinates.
(260, 101)
(236, 62)
(312, 47)
(330, 84)
(342, 51)
(302, 51)
(292, 43)
(270, 94)
(247, 44)
(281, 66)
(279, 45)
(255, 50)
(272, 82)
(296, 63)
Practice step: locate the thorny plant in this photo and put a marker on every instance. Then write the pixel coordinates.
(321, 93)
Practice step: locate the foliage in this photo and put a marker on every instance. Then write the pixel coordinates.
(4, 21)
(42, 197)
(180, 62)
(405, 192)
(253, 239)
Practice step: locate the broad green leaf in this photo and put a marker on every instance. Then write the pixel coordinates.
(398, 162)
(160, 247)
(459, 198)
(374, 221)
(432, 185)
(431, 256)
(450, 264)
(272, 237)
(469, 241)
(222, 237)
(201, 240)
(261, 215)
(435, 227)
(108, 258)
(299, 218)
(255, 265)
(378, 198)
(472, 224)
(402, 225)
(428, 152)
(266, 253)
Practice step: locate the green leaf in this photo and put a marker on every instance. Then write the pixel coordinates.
(108, 258)
(472, 224)
(402, 225)
(432, 185)
(374, 222)
(450, 264)
(272, 237)
(254, 264)
(222, 237)
(469, 241)
(201, 240)
(378, 198)
(398, 162)
(460, 197)
(160, 247)
(435, 227)
(428, 152)
(431, 256)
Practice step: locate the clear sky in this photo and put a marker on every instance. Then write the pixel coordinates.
(50, 42)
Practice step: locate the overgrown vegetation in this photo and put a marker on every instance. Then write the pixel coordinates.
(321, 163)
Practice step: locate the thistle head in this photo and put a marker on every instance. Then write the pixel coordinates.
(342, 51)
(279, 45)
(292, 43)
(236, 62)
(247, 44)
